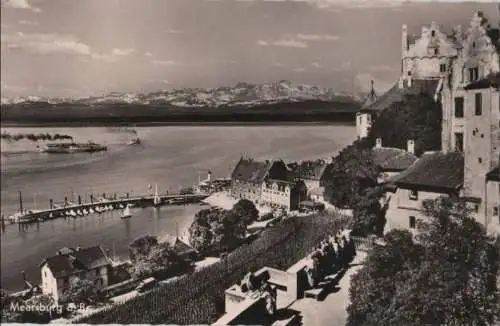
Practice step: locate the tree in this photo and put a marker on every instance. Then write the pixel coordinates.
(416, 117)
(448, 277)
(374, 286)
(81, 291)
(349, 175)
(141, 247)
(368, 214)
(246, 211)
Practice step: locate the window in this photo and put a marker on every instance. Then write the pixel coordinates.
(479, 104)
(442, 67)
(476, 208)
(436, 51)
(480, 160)
(413, 195)
(473, 74)
(413, 222)
(409, 73)
(433, 33)
(495, 211)
(459, 142)
(459, 107)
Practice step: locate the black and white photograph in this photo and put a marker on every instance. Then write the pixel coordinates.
(250, 162)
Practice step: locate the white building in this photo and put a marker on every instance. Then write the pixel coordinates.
(59, 271)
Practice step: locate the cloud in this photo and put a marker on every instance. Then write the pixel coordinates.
(148, 54)
(344, 66)
(383, 68)
(317, 37)
(278, 64)
(164, 62)
(123, 52)
(19, 4)
(29, 22)
(47, 44)
(298, 70)
(286, 42)
(175, 31)
(315, 65)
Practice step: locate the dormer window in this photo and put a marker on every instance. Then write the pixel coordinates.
(473, 74)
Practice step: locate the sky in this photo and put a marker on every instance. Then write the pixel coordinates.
(79, 48)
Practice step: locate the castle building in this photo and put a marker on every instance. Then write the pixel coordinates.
(471, 116)
(466, 66)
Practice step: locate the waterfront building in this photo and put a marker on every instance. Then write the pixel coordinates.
(249, 175)
(59, 271)
(267, 182)
(311, 173)
(283, 194)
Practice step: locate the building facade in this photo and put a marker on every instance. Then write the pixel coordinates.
(433, 175)
(268, 183)
(58, 272)
(493, 201)
(283, 194)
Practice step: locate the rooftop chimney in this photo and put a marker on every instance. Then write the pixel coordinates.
(378, 143)
(411, 146)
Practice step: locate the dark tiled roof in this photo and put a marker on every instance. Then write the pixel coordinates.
(492, 80)
(249, 170)
(436, 170)
(67, 263)
(393, 95)
(392, 159)
(312, 171)
(494, 175)
(396, 94)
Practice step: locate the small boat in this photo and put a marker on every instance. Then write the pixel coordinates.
(135, 141)
(91, 211)
(126, 213)
(51, 215)
(72, 213)
(110, 207)
(85, 211)
(156, 199)
(121, 206)
(79, 212)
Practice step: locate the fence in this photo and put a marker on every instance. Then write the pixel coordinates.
(364, 243)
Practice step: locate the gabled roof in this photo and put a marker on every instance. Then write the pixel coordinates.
(249, 170)
(393, 95)
(72, 261)
(439, 170)
(396, 94)
(311, 171)
(494, 175)
(493, 81)
(392, 159)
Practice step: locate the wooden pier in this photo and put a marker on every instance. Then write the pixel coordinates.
(100, 206)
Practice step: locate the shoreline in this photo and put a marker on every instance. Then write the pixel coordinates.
(175, 124)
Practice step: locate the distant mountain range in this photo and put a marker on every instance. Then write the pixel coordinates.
(241, 94)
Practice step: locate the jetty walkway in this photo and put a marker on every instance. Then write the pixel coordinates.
(101, 205)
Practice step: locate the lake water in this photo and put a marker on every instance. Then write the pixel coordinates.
(172, 157)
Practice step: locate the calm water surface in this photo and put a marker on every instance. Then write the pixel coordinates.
(172, 157)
